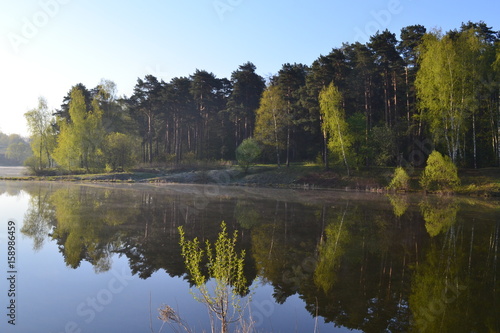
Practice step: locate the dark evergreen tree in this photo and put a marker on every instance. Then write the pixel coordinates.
(244, 100)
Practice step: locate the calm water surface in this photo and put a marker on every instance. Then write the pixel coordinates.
(103, 258)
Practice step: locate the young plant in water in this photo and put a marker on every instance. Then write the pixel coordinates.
(221, 288)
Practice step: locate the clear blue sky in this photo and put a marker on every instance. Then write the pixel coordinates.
(47, 46)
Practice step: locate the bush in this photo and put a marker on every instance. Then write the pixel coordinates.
(440, 174)
(247, 153)
(400, 180)
(120, 152)
(226, 266)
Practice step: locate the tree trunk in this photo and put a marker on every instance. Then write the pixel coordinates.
(150, 140)
(395, 98)
(474, 138)
(276, 139)
(288, 146)
(498, 128)
(386, 100)
(343, 150)
(325, 153)
(408, 116)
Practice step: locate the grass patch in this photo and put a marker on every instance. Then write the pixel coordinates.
(480, 182)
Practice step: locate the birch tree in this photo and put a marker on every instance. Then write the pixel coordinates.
(43, 138)
(80, 141)
(334, 123)
(272, 121)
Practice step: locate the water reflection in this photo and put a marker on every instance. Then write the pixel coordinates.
(400, 203)
(439, 214)
(396, 264)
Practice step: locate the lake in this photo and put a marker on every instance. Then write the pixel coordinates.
(104, 258)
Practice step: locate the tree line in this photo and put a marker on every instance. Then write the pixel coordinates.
(360, 105)
(14, 149)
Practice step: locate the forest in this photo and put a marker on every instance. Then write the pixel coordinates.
(371, 104)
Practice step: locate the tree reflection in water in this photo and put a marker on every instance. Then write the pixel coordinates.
(373, 265)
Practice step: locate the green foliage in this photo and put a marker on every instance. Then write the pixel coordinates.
(248, 87)
(382, 146)
(18, 152)
(330, 254)
(387, 93)
(400, 180)
(247, 214)
(448, 84)
(399, 204)
(440, 174)
(120, 151)
(43, 137)
(66, 153)
(84, 224)
(247, 153)
(80, 142)
(225, 266)
(272, 120)
(334, 123)
(439, 215)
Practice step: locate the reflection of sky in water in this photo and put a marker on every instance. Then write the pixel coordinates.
(55, 298)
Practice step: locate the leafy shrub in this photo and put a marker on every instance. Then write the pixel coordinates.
(225, 265)
(400, 180)
(440, 174)
(247, 153)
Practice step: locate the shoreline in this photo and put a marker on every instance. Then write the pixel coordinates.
(475, 183)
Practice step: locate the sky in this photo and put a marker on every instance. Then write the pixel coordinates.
(48, 46)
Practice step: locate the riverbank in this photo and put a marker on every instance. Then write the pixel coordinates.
(474, 182)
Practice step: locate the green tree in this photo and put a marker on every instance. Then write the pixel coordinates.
(66, 154)
(92, 136)
(207, 92)
(400, 180)
(382, 146)
(39, 218)
(439, 215)
(80, 140)
(291, 80)
(399, 204)
(411, 38)
(120, 151)
(63, 112)
(271, 121)
(225, 266)
(331, 251)
(334, 123)
(389, 62)
(324, 70)
(447, 84)
(439, 174)
(18, 152)
(362, 73)
(179, 115)
(247, 153)
(116, 116)
(145, 104)
(43, 139)
(83, 227)
(244, 100)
